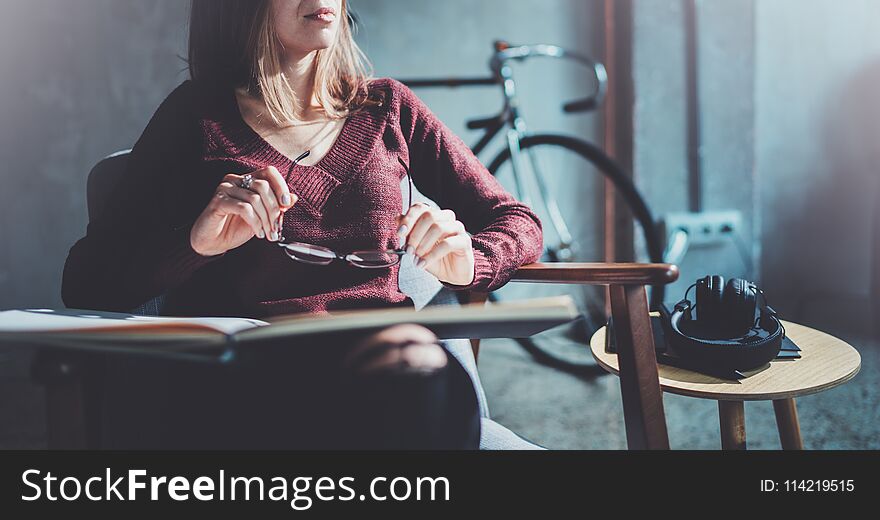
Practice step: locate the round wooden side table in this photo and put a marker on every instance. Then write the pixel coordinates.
(825, 362)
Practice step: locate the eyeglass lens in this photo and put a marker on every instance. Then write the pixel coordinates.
(309, 253)
(373, 259)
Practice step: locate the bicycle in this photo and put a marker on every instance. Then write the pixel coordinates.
(527, 171)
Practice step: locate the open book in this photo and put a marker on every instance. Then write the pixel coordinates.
(102, 330)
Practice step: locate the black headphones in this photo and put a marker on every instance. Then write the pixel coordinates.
(726, 333)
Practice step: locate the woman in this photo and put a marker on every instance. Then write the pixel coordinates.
(213, 185)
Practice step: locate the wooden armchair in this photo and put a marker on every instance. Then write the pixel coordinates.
(639, 381)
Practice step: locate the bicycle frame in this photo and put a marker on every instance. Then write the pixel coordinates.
(502, 75)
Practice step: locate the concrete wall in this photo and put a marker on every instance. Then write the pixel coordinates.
(80, 80)
(790, 111)
(725, 85)
(818, 111)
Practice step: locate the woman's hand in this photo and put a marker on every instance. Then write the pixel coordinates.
(439, 242)
(235, 214)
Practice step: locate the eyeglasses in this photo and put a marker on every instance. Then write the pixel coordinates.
(372, 259)
(319, 255)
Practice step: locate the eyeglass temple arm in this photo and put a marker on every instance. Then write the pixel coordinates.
(281, 216)
(409, 179)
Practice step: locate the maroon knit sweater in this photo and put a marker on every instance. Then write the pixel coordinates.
(138, 248)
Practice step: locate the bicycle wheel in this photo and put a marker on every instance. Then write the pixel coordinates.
(567, 158)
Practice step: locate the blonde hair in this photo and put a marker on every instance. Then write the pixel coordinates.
(342, 72)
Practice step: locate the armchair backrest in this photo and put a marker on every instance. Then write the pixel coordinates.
(102, 180)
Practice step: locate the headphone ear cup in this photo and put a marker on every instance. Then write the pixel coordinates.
(710, 292)
(739, 305)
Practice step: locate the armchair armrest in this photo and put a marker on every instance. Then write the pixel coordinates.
(598, 273)
(639, 380)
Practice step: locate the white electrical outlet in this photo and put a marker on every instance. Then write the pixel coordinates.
(706, 228)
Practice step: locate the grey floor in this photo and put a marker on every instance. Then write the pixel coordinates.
(562, 411)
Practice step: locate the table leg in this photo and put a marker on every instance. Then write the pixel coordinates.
(788, 425)
(733, 425)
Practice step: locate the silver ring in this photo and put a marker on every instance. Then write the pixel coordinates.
(246, 181)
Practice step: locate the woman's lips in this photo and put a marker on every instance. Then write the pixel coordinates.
(324, 15)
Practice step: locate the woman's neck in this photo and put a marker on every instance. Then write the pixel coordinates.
(300, 74)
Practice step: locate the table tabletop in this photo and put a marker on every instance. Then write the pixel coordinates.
(825, 362)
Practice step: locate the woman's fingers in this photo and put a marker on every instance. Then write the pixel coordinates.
(277, 185)
(275, 189)
(436, 232)
(260, 206)
(408, 220)
(254, 200)
(423, 228)
(274, 197)
(231, 206)
(270, 204)
(453, 244)
(419, 220)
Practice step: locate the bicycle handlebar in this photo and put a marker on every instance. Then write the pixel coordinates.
(486, 122)
(504, 53)
(450, 82)
(583, 105)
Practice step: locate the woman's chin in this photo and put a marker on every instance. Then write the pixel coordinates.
(324, 38)
(316, 39)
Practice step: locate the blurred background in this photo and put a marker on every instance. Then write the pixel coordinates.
(764, 115)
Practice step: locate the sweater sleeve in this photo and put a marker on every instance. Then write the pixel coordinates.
(506, 233)
(138, 247)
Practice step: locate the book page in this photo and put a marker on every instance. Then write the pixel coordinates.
(102, 330)
(61, 322)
